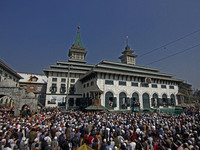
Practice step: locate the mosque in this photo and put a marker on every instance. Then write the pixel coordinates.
(115, 85)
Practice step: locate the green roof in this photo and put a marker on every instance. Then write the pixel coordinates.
(78, 40)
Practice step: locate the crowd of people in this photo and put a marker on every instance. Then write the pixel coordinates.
(54, 130)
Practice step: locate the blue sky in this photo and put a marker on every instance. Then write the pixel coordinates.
(35, 33)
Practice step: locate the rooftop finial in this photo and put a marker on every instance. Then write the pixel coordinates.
(78, 27)
(127, 40)
(78, 38)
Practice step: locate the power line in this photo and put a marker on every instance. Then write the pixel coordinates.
(174, 54)
(169, 43)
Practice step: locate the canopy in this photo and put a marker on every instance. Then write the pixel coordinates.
(96, 91)
(84, 147)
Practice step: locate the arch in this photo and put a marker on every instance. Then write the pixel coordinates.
(25, 106)
(109, 99)
(173, 100)
(164, 95)
(146, 102)
(154, 100)
(25, 111)
(135, 98)
(164, 100)
(122, 98)
(6, 102)
(17, 98)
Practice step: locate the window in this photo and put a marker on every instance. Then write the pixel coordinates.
(92, 83)
(171, 87)
(72, 85)
(72, 80)
(1, 71)
(110, 82)
(163, 86)
(62, 88)
(54, 79)
(34, 79)
(134, 84)
(144, 84)
(53, 88)
(63, 80)
(31, 87)
(122, 83)
(52, 101)
(87, 84)
(53, 85)
(62, 85)
(154, 86)
(84, 86)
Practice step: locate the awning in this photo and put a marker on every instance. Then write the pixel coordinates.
(84, 147)
(94, 91)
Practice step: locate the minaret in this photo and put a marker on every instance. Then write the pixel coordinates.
(128, 57)
(77, 51)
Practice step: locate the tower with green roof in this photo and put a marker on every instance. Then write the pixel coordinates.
(77, 51)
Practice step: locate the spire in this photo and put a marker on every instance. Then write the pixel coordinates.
(77, 51)
(78, 39)
(127, 40)
(128, 57)
(127, 46)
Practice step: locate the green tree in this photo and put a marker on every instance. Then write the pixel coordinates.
(187, 98)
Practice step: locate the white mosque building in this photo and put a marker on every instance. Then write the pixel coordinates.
(114, 85)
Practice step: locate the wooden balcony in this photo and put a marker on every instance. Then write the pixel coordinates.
(96, 102)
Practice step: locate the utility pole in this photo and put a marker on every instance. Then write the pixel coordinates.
(67, 91)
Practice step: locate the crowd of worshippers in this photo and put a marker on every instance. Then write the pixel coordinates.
(100, 131)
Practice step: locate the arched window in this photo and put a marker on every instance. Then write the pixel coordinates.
(154, 100)
(146, 103)
(122, 100)
(135, 98)
(173, 100)
(164, 100)
(109, 100)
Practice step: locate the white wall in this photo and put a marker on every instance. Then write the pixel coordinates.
(116, 89)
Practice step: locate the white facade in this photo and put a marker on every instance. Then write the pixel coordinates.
(117, 82)
(112, 77)
(64, 78)
(58, 96)
(116, 89)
